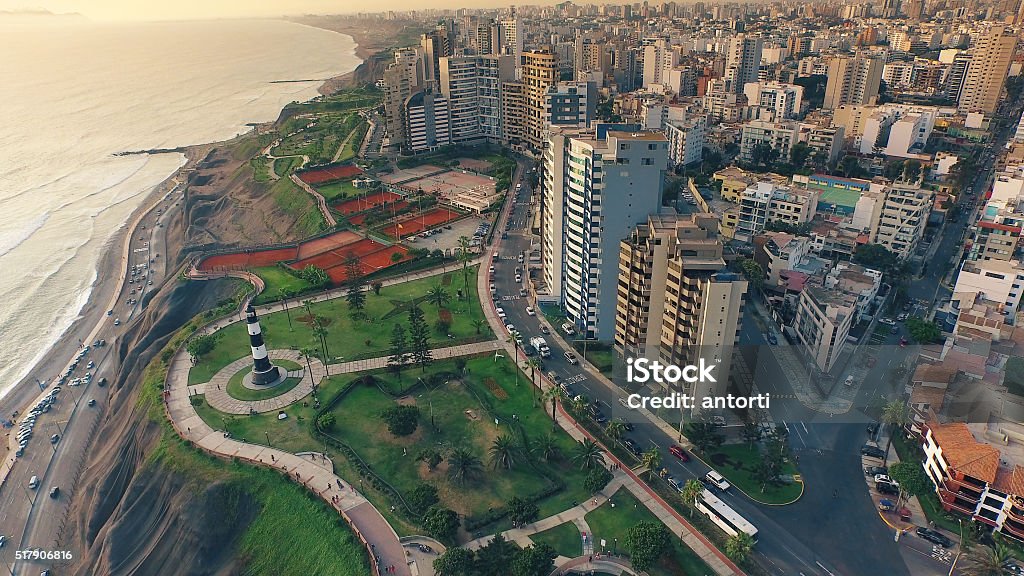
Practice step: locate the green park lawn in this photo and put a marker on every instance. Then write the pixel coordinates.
(338, 190)
(612, 523)
(564, 538)
(285, 166)
(487, 382)
(737, 462)
(349, 339)
(276, 280)
(236, 389)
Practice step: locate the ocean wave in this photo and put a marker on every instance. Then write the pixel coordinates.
(12, 240)
(70, 315)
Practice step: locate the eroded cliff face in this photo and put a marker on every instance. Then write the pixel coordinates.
(138, 514)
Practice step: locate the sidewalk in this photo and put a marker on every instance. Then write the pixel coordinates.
(367, 523)
(672, 519)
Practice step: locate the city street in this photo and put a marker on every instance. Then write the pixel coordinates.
(32, 518)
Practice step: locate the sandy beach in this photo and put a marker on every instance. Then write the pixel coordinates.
(108, 283)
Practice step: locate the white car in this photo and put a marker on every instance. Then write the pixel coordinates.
(530, 312)
(717, 480)
(885, 478)
(510, 327)
(887, 321)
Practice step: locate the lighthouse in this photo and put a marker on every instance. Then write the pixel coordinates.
(263, 372)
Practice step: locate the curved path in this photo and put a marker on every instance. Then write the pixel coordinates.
(216, 390)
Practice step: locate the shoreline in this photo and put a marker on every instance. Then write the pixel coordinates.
(108, 268)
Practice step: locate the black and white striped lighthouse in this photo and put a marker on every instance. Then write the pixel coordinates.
(263, 372)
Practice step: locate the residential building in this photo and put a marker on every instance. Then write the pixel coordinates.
(676, 301)
(513, 115)
(736, 180)
(852, 80)
(898, 130)
(596, 186)
(858, 280)
(722, 103)
(743, 61)
(983, 82)
(779, 136)
(427, 121)
(903, 219)
(540, 71)
(659, 59)
(974, 476)
(997, 233)
(403, 77)
(571, 104)
(822, 323)
(686, 140)
(766, 202)
(1000, 282)
(778, 252)
(783, 100)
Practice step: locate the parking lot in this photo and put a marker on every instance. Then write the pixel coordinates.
(447, 239)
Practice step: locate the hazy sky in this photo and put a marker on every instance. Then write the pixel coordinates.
(175, 9)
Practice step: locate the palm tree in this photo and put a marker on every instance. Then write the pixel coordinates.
(995, 560)
(465, 257)
(286, 294)
(894, 414)
(651, 459)
(738, 547)
(546, 447)
(515, 354)
(534, 364)
(306, 354)
(503, 452)
(438, 296)
(463, 466)
(691, 491)
(478, 323)
(588, 454)
(321, 332)
(554, 395)
(615, 429)
(578, 404)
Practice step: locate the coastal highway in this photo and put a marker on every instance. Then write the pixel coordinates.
(32, 518)
(780, 550)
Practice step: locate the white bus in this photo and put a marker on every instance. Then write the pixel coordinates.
(723, 516)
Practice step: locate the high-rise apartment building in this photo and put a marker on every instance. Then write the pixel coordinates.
(596, 185)
(513, 114)
(852, 80)
(676, 301)
(783, 100)
(990, 60)
(743, 61)
(401, 79)
(903, 218)
(427, 121)
(540, 71)
(435, 45)
(572, 104)
(472, 85)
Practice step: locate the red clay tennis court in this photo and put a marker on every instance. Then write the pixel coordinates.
(420, 222)
(248, 259)
(369, 263)
(370, 201)
(332, 242)
(329, 174)
(360, 219)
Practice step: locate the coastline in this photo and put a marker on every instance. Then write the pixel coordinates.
(106, 285)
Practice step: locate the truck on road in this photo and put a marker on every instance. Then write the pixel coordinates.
(541, 346)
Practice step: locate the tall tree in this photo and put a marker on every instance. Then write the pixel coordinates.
(494, 558)
(504, 452)
(651, 459)
(691, 491)
(546, 447)
(751, 433)
(554, 395)
(615, 429)
(464, 466)
(534, 364)
(896, 416)
(355, 287)
(399, 351)
(738, 547)
(588, 454)
(454, 562)
(911, 478)
(703, 435)
(994, 560)
(438, 296)
(306, 353)
(287, 293)
(465, 257)
(419, 338)
(646, 542)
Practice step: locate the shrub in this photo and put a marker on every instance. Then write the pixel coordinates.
(596, 480)
(401, 420)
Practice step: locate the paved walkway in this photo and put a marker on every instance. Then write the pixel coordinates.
(575, 514)
(216, 390)
(675, 522)
(368, 524)
(597, 563)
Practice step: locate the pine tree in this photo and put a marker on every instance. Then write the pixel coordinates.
(419, 338)
(399, 350)
(355, 294)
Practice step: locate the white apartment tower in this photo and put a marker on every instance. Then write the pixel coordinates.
(596, 185)
(743, 61)
(986, 73)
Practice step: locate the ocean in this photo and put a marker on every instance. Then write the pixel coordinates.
(72, 93)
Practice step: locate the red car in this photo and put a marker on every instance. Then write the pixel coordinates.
(871, 361)
(903, 342)
(678, 452)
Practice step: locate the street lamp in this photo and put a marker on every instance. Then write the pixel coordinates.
(959, 548)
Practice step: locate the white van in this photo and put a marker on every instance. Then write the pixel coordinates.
(33, 482)
(718, 481)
